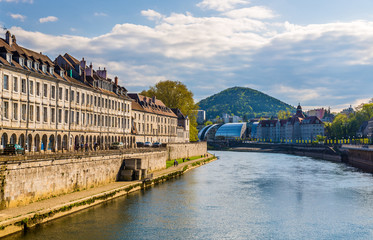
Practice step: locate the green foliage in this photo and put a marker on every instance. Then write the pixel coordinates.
(244, 102)
(283, 114)
(345, 126)
(175, 94)
(208, 123)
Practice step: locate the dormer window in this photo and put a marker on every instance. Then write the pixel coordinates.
(29, 63)
(51, 70)
(44, 68)
(36, 65)
(21, 61)
(9, 57)
(61, 73)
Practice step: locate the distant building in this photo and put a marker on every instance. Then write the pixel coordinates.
(297, 127)
(348, 111)
(231, 119)
(320, 112)
(201, 116)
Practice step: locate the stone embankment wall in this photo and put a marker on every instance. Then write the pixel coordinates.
(180, 150)
(28, 180)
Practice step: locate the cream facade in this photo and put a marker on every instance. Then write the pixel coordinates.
(44, 108)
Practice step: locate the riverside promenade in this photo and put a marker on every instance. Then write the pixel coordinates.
(20, 218)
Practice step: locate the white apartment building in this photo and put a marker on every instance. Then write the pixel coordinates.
(54, 106)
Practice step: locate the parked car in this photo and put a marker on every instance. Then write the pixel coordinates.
(147, 144)
(116, 145)
(14, 149)
(157, 144)
(139, 144)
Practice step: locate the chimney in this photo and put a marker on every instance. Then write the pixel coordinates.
(14, 39)
(83, 63)
(8, 38)
(116, 81)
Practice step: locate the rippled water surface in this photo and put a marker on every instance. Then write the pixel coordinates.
(239, 196)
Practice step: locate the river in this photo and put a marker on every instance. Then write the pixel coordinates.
(240, 196)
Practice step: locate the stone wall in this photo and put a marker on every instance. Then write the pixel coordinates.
(180, 150)
(28, 180)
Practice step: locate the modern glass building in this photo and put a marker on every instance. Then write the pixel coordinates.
(231, 131)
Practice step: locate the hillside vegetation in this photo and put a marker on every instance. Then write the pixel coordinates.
(243, 102)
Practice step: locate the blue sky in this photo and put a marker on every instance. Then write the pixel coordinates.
(318, 53)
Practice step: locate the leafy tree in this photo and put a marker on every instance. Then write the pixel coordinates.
(175, 94)
(283, 114)
(208, 123)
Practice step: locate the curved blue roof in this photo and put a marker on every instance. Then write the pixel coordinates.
(231, 130)
(201, 133)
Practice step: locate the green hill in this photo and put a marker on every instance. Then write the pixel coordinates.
(242, 102)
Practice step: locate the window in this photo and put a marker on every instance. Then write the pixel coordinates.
(23, 86)
(15, 84)
(44, 68)
(77, 117)
(29, 63)
(53, 92)
(72, 116)
(53, 115)
(37, 113)
(72, 96)
(66, 94)
(37, 89)
(61, 73)
(45, 90)
(6, 82)
(31, 88)
(9, 57)
(31, 112)
(94, 122)
(15, 111)
(66, 116)
(83, 118)
(36, 65)
(45, 114)
(51, 70)
(22, 62)
(105, 103)
(83, 98)
(60, 93)
(99, 102)
(23, 112)
(87, 99)
(95, 101)
(6, 110)
(77, 97)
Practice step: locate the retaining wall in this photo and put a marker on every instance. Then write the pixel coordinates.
(180, 150)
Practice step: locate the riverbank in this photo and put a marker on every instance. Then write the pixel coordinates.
(21, 218)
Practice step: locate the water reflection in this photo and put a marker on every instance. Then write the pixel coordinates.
(240, 196)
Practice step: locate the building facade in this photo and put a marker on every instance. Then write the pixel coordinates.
(44, 107)
(152, 121)
(297, 127)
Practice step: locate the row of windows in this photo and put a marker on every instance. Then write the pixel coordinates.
(80, 98)
(50, 114)
(152, 118)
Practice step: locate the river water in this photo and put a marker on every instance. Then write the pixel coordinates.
(240, 196)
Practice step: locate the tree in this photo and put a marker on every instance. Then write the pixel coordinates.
(283, 114)
(175, 94)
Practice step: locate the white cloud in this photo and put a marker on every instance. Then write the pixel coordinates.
(18, 16)
(48, 19)
(257, 12)
(100, 14)
(151, 14)
(221, 5)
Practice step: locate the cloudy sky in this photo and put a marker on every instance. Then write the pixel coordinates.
(318, 53)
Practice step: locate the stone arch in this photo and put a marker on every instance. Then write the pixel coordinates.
(29, 143)
(64, 142)
(76, 142)
(4, 139)
(44, 143)
(87, 139)
(13, 139)
(52, 143)
(21, 140)
(59, 142)
(37, 143)
(81, 139)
